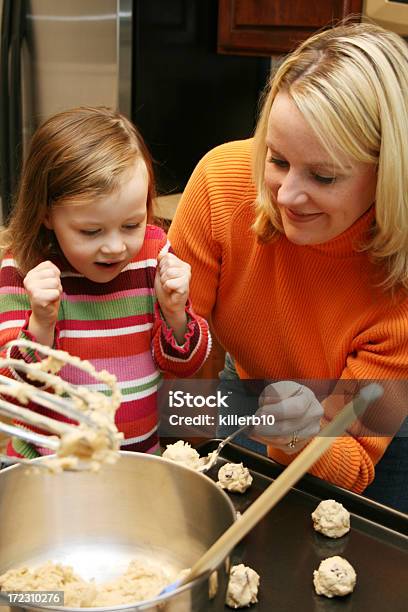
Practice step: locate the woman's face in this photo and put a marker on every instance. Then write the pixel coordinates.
(317, 199)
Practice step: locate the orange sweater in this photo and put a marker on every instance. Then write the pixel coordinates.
(287, 311)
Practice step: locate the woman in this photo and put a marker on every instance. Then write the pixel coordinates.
(298, 242)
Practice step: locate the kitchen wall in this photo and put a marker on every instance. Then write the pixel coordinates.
(187, 98)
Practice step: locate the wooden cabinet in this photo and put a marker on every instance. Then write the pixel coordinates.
(275, 27)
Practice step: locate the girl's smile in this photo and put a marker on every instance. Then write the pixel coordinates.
(101, 236)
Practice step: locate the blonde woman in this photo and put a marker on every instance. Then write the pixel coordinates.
(298, 242)
(85, 270)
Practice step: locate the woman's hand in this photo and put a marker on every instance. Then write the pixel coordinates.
(171, 285)
(44, 290)
(297, 414)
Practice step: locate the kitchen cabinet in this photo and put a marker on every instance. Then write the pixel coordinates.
(275, 27)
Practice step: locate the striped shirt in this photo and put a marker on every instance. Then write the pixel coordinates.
(118, 327)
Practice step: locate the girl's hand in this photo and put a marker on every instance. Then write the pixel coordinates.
(296, 413)
(171, 285)
(44, 289)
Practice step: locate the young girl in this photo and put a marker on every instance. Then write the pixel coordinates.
(85, 272)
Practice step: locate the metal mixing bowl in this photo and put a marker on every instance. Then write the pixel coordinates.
(143, 506)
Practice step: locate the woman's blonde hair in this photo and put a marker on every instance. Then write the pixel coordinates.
(351, 85)
(76, 155)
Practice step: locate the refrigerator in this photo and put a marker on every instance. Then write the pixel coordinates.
(57, 54)
(154, 60)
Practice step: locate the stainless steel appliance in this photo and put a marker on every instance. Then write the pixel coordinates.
(154, 60)
(57, 55)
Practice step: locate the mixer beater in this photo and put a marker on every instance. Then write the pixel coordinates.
(91, 440)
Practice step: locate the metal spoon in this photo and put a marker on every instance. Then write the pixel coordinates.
(207, 462)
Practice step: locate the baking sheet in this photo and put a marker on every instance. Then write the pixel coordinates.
(284, 548)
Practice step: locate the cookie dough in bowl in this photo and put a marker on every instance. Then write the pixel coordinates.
(98, 523)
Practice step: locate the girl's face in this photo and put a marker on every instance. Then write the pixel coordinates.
(100, 237)
(317, 199)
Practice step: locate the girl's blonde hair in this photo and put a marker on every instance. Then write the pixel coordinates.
(351, 85)
(75, 155)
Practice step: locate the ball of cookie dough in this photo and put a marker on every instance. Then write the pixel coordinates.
(243, 586)
(335, 576)
(234, 477)
(331, 519)
(182, 452)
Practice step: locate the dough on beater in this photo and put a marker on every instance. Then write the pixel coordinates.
(234, 477)
(331, 519)
(182, 452)
(243, 586)
(335, 576)
(87, 445)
